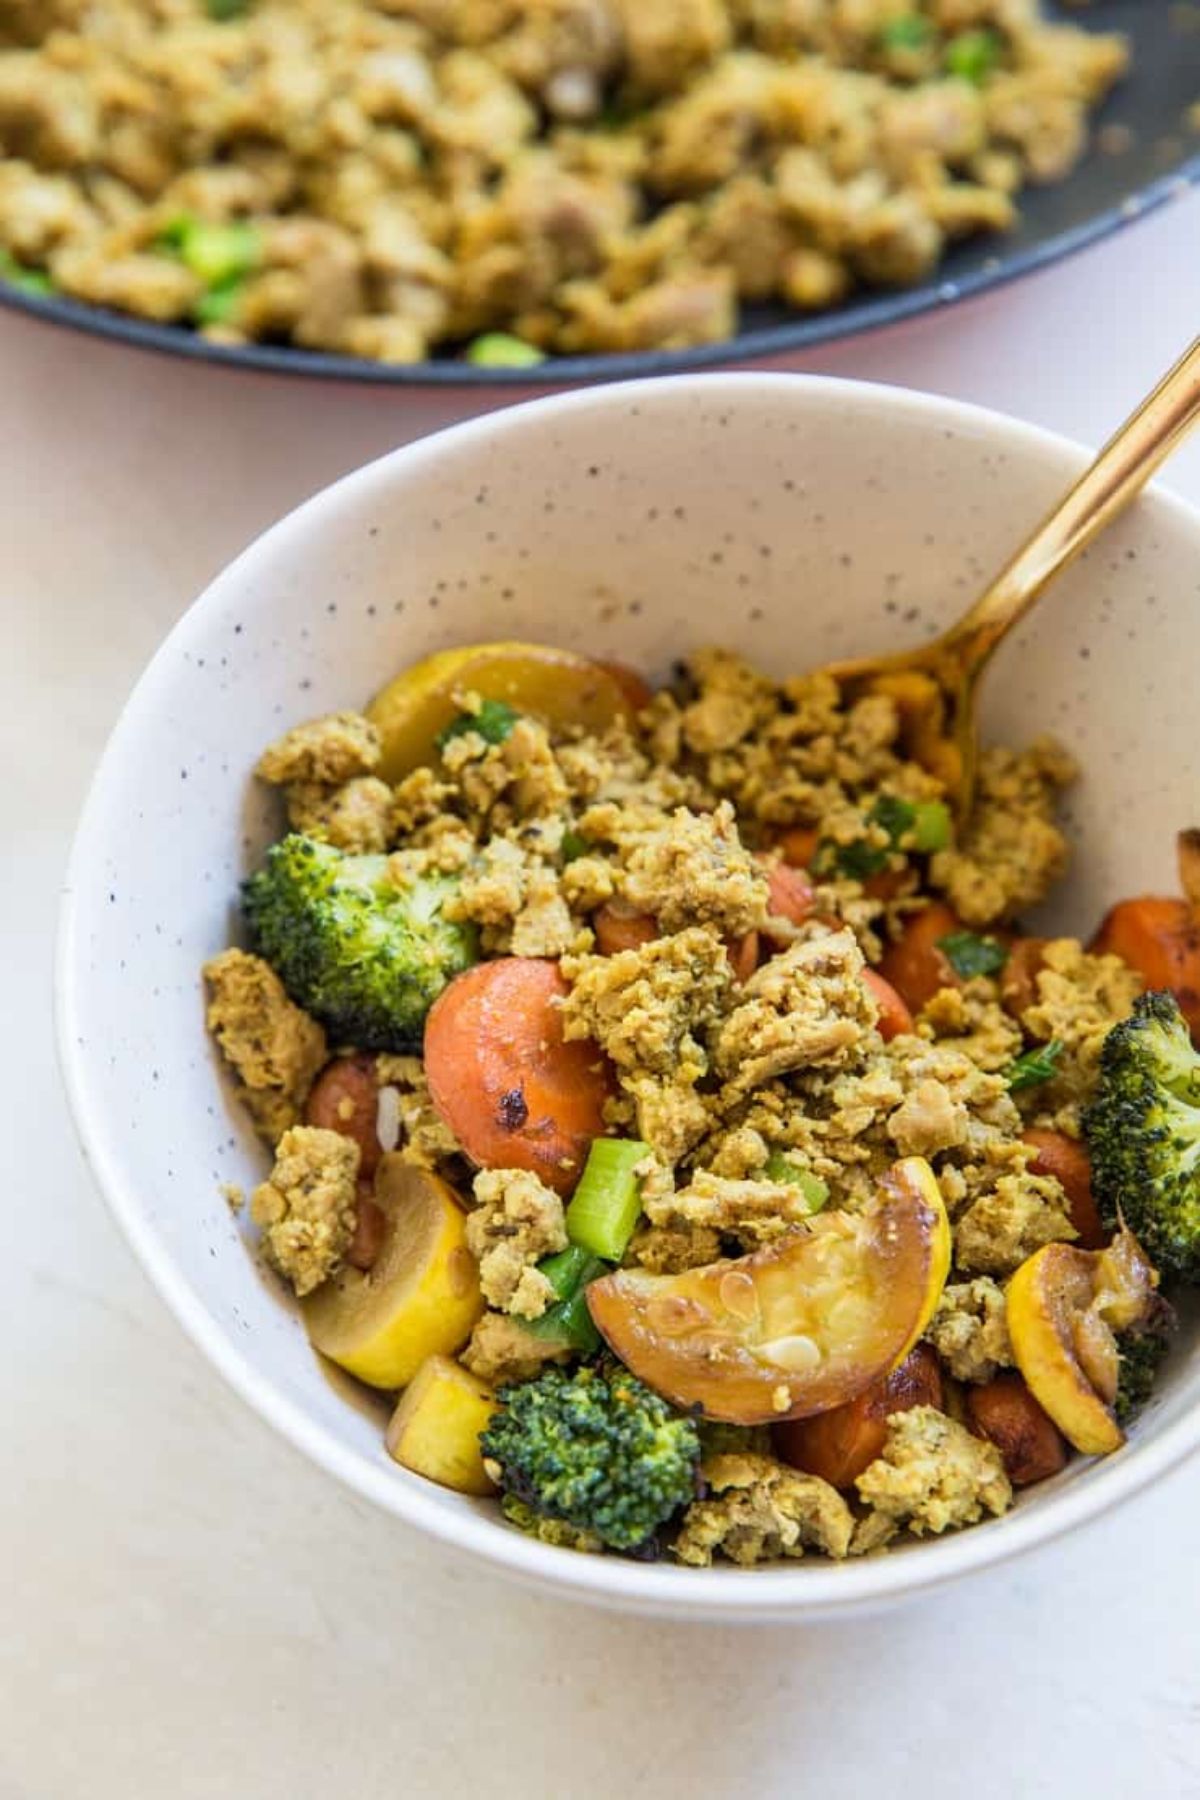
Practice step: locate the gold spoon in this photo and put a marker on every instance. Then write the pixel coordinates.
(935, 687)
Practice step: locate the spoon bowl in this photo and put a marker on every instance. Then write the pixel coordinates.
(935, 687)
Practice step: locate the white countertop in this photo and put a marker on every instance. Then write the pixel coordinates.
(190, 1611)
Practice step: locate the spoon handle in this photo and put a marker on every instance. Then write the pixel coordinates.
(1124, 465)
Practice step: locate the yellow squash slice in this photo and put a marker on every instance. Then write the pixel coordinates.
(797, 1328)
(552, 685)
(435, 1429)
(1064, 1305)
(418, 1299)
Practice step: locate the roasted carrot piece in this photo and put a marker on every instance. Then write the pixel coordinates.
(618, 929)
(370, 1224)
(501, 1075)
(345, 1098)
(743, 955)
(1068, 1161)
(790, 896)
(798, 845)
(1018, 978)
(1005, 1412)
(914, 965)
(894, 1016)
(1160, 938)
(838, 1445)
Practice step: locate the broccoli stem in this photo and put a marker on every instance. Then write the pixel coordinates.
(608, 1201)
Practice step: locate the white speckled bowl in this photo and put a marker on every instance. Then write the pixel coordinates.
(796, 519)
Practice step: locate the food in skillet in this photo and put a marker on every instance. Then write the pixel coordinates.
(669, 1110)
(506, 179)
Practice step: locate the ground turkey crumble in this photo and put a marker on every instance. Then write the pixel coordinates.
(733, 1079)
(329, 750)
(646, 1009)
(355, 817)
(805, 1008)
(932, 1475)
(757, 1510)
(1078, 998)
(272, 1048)
(1003, 1227)
(516, 1222)
(969, 1330)
(500, 1350)
(307, 1207)
(423, 1137)
(1013, 851)
(592, 175)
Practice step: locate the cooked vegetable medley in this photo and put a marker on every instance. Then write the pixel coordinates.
(508, 179)
(670, 1111)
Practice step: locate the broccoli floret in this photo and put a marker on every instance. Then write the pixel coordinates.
(596, 1448)
(1142, 1350)
(720, 1439)
(363, 955)
(1143, 1131)
(550, 1531)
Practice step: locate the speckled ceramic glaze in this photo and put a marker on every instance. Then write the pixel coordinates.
(794, 519)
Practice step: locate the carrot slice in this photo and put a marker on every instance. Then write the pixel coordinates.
(1018, 978)
(1005, 1412)
(743, 955)
(789, 896)
(618, 929)
(1160, 938)
(798, 845)
(1068, 1161)
(838, 1445)
(914, 965)
(345, 1098)
(894, 1016)
(502, 1077)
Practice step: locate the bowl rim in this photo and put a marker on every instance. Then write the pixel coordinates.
(731, 1595)
(868, 312)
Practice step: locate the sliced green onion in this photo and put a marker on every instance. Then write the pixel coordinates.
(218, 304)
(607, 1204)
(787, 1173)
(1035, 1066)
(570, 1270)
(969, 954)
(930, 828)
(493, 722)
(570, 1323)
(573, 845)
(923, 826)
(224, 10)
(856, 860)
(25, 280)
(219, 254)
(896, 816)
(500, 350)
(972, 55)
(911, 31)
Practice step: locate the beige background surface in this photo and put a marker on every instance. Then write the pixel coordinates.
(189, 1611)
